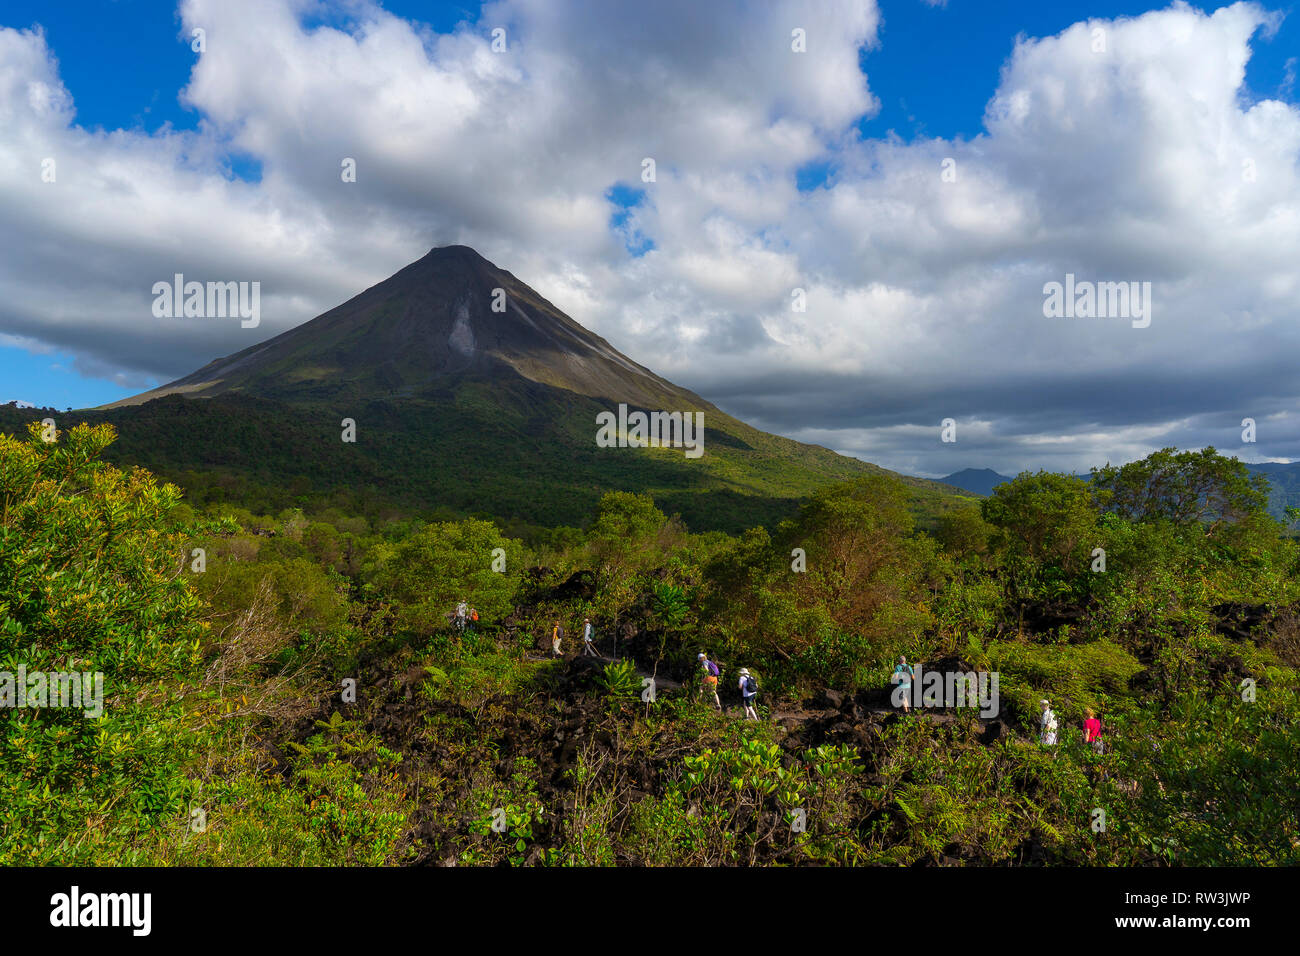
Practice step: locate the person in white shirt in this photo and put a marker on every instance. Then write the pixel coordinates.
(1046, 725)
(587, 647)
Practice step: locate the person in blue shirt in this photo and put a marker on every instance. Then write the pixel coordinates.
(903, 675)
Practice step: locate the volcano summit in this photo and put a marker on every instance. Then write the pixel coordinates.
(447, 317)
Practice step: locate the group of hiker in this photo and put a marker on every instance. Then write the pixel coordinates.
(588, 639)
(1048, 726)
(466, 617)
(711, 671)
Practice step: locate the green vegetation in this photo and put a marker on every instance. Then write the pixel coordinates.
(282, 686)
(511, 451)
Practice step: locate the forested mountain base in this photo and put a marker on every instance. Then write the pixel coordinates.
(507, 449)
(288, 688)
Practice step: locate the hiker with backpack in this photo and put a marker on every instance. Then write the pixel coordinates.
(1092, 731)
(473, 619)
(903, 675)
(1047, 725)
(462, 610)
(748, 693)
(711, 672)
(557, 635)
(588, 648)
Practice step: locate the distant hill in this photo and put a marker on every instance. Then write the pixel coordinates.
(1284, 486)
(1284, 483)
(471, 394)
(978, 481)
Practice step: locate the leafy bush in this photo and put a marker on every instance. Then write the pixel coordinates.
(1070, 676)
(90, 582)
(619, 680)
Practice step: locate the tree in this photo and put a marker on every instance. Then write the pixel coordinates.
(626, 530)
(433, 570)
(963, 533)
(858, 537)
(1046, 529)
(626, 538)
(857, 590)
(1187, 487)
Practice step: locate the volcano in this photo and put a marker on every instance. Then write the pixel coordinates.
(448, 317)
(468, 394)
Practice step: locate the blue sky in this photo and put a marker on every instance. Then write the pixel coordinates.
(50, 381)
(126, 61)
(688, 261)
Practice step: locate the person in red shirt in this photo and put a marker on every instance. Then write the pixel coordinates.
(1092, 730)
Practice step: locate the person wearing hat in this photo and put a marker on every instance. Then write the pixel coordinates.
(710, 682)
(1046, 725)
(587, 647)
(748, 692)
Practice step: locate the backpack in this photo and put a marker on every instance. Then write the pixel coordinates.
(713, 668)
(751, 688)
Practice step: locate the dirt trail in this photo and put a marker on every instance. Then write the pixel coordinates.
(937, 716)
(825, 714)
(661, 682)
